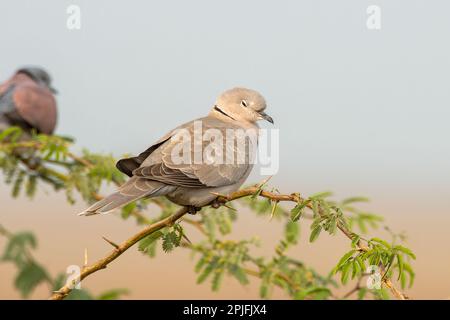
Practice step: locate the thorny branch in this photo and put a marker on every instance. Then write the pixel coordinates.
(103, 263)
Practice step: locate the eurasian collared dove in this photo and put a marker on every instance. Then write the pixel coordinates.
(158, 172)
(26, 101)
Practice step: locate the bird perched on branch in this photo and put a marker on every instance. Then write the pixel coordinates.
(183, 167)
(27, 101)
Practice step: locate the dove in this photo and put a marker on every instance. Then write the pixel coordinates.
(198, 179)
(27, 101)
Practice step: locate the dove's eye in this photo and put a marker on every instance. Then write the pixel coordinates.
(244, 103)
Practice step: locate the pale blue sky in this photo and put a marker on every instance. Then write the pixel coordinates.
(358, 111)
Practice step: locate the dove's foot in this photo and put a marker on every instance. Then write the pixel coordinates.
(193, 210)
(216, 203)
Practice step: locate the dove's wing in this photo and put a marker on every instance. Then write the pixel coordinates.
(128, 165)
(161, 163)
(37, 106)
(155, 172)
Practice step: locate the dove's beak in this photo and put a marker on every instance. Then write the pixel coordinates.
(53, 90)
(265, 116)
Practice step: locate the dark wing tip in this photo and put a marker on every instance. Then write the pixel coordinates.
(127, 165)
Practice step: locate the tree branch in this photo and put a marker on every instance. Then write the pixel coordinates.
(295, 197)
(103, 263)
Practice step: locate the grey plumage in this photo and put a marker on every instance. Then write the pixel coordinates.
(155, 172)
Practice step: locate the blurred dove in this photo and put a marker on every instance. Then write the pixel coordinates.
(158, 172)
(27, 101)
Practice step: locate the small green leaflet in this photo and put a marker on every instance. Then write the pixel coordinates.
(315, 233)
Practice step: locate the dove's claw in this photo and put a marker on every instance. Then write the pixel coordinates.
(193, 210)
(215, 204)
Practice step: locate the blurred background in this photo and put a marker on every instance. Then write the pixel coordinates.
(360, 112)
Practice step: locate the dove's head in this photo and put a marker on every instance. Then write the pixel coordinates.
(241, 104)
(38, 75)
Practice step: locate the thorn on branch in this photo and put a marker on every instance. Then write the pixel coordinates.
(111, 243)
(229, 207)
(85, 258)
(264, 182)
(221, 197)
(186, 238)
(274, 208)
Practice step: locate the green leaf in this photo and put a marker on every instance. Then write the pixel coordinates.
(29, 277)
(382, 242)
(400, 265)
(238, 273)
(333, 225)
(13, 132)
(17, 245)
(362, 293)
(128, 209)
(356, 268)
(210, 226)
(344, 260)
(355, 199)
(113, 294)
(362, 266)
(345, 272)
(383, 294)
(31, 186)
(217, 279)
(315, 233)
(292, 232)
(207, 270)
(403, 280)
(297, 211)
(355, 240)
(321, 195)
(316, 208)
(18, 183)
(318, 293)
(223, 221)
(361, 225)
(201, 262)
(79, 294)
(407, 268)
(405, 251)
(266, 284)
(257, 192)
(170, 241)
(145, 243)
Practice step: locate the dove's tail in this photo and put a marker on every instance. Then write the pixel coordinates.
(108, 204)
(134, 189)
